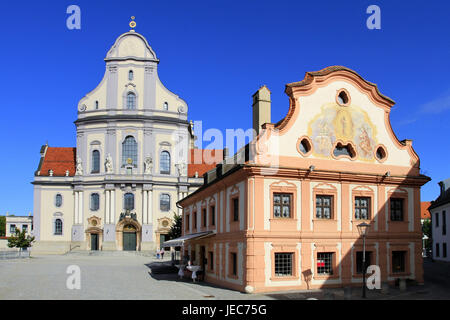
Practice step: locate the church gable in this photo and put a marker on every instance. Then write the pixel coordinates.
(336, 115)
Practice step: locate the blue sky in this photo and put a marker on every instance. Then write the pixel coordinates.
(215, 54)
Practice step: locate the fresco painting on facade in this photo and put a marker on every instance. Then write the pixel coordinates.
(295, 226)
(346, 124)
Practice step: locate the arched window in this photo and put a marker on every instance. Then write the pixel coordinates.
(129, 151)
(130, 75)
(164, 163)
(128, 201)
(131, 101)
(96, 104)
(95, 202)
(58, 200)
(164, 202)
(166, 106)
(58, 227)
(95, 161)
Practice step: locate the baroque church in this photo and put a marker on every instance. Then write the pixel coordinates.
(134, 159)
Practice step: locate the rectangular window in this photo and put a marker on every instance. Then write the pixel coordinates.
(236, 209)
(359, 261)
(204, 217)
(233, 263)
(195, 221)
(437, 219)
(213, 215)
(283, 264)
(324, 205)
(362, 208)
(437, 250)
(325, 263)
(211, 261)
(25, 227)
(396, 209)
(444, 250)
(398, 261)
(282, 205)
(187, 222)
(12, 228)
(444, 223)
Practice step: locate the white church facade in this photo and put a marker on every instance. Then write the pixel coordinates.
(117, 190)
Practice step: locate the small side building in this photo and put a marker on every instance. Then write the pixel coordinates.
(439, 211)
(14, 222)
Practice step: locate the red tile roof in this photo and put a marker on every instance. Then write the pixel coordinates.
(424, 213)
(59, 160)
(203, 160)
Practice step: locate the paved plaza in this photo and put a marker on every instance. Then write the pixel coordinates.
(125, 277)
(129, 277)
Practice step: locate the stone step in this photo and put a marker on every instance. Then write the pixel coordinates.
(111, 253)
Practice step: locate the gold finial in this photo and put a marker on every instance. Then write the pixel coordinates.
(132, 23)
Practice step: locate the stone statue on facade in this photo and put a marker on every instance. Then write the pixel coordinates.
(148, 162)
(181, 168)
(79, 171)
(108, 164)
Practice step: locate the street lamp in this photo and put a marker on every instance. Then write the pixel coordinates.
(363, 229)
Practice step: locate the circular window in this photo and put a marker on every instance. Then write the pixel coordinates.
(343, 98)
(304, 146)
(380, 153)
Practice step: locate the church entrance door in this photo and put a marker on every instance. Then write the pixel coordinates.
(129, 238)
(94, 241)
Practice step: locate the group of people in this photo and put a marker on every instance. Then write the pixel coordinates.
(160, 254)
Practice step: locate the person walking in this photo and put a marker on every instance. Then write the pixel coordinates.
(157, 253)
(162, 253)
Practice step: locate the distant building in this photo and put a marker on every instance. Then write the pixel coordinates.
(285, 216)
(439, 211)
(19, 222)
(424, 213)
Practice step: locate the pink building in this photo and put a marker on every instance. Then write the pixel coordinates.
(285, 216)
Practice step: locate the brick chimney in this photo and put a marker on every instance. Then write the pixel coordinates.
(261, 108)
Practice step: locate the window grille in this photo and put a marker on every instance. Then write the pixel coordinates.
(58, 227)
(324, 206)
(396, 209)
(281, 205)
(398, 261)
(325, 263)
(283, 264)
(359, 261)
(362, 208)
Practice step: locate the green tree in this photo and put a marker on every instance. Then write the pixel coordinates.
(2, 226)
(20, 240)
(175, 230)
